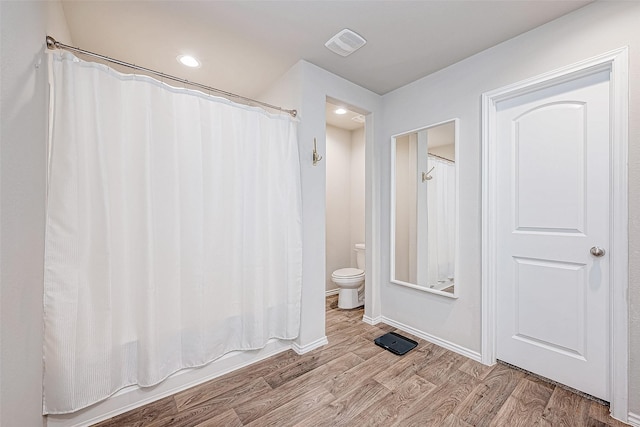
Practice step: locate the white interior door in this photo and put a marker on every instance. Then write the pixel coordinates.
(553, 184)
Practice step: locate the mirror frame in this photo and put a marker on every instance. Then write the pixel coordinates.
(455, 293)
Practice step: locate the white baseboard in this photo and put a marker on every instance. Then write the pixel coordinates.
(311, 346)
(633, 419)
(372, 320)
(335, 291)
(433, 339)
(135, 397)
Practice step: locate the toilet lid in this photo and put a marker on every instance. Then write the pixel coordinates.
(348, 272)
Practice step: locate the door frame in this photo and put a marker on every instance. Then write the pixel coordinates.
(616, 62)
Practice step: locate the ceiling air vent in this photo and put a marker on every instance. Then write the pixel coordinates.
(345, 42)
(358, 119)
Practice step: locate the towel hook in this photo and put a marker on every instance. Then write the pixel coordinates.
(426, 176)
(316, 157)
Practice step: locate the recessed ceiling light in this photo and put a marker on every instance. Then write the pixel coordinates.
(340, 111)
(189, 61)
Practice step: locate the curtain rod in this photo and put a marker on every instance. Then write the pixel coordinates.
(54, 44)
(440, 157)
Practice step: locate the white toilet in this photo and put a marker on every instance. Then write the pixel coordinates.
(350, 281)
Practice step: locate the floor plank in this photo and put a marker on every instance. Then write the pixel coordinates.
(191, 416)
(409, 365)
(242, 393)
(354, 377)
(397, 404)
(295, 409)
(341, 411)
(565, 409)
(475, 369)
(486, 399)
(525, 406)
(260, 406)
(434, 408)
(226, 419)
(454, 421)
(600, 413)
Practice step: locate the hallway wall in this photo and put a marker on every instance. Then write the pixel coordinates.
(23, 97)
(455, 92)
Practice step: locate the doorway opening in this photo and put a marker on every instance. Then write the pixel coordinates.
(345, 218)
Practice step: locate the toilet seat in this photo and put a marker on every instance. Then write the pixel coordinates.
(348, 278)
(348, 273)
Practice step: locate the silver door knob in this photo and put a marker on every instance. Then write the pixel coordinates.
(597, 251)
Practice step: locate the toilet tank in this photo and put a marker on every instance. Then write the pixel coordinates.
(360, 255)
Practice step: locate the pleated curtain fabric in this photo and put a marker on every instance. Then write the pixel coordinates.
(173, 232)
(441, 202)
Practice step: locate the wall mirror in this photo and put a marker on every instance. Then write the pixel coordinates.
(424, 212)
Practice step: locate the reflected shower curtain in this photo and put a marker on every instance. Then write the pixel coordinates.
(441, 208)
(173, 232)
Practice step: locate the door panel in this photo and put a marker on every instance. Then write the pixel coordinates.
(550, 303)
(555, 201)
(553, 206)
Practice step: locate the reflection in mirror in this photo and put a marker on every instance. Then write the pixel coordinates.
(424, 209)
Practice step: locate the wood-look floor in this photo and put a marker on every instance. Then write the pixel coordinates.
(352, 382)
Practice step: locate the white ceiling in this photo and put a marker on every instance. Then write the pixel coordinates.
(244, 46)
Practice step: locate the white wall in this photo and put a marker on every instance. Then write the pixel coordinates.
(358, 185)
(345, 159)
(23, 109)
(306, 88)
(455, 92)
(338, 213)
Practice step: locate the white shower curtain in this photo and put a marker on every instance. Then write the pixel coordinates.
(173, 232)
(441, 207)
